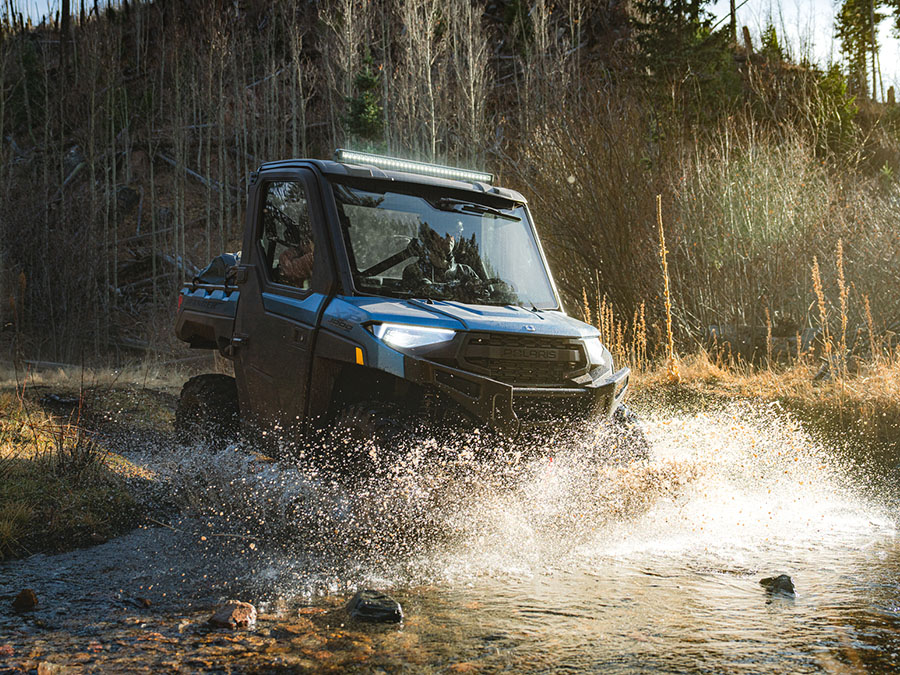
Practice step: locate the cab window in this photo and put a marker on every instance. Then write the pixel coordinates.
(286, 237)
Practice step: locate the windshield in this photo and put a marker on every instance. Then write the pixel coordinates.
(410, 246)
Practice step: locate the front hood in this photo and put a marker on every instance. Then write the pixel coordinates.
(459, 316)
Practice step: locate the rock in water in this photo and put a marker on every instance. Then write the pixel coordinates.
(25, 601)
(780, 584)
(234, 615)
(374, 606)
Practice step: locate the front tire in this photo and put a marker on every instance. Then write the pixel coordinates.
(372, 434)
(207, 409)
(629, 431)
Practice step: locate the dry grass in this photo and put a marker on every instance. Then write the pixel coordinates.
(753, 209)
(140, 374)
(58, 487)
(862, 407)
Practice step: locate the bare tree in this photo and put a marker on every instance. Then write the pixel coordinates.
(419, 79)
(349, 24)
(469, 49)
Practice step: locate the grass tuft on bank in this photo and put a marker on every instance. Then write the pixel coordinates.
(859, 407)
(59, 488)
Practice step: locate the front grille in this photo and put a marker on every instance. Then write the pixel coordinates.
(524, 360)
(545, 410)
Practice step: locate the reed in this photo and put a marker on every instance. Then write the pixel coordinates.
(586, 307)
(823, 311)
(870, 325)
(672, 373)
(844, 296)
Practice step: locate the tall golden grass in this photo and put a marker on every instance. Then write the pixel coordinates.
(862, 374)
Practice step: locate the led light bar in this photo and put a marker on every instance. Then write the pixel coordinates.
(411, 166)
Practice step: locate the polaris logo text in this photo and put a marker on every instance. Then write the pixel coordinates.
(525, 353)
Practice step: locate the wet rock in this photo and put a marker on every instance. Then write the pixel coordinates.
(47, 668)
(143, 603)
(781, 584)
(375, 607)
(59, 399)
(6, 651)
(59, 404)
(301, 627)
(234, 615)
(25, 601)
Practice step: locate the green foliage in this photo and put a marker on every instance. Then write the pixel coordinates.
(894, 6)
(835, 112)
(364, 117)
(670, 35)
(679, 50)
(886, 177)
(771, 48)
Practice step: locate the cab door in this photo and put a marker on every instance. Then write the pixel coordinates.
(285, 276)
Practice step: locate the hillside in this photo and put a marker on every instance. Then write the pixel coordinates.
(129, 136)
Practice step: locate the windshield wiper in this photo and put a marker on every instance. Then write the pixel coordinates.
(450, 204)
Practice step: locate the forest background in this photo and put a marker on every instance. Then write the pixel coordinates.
(128, 133)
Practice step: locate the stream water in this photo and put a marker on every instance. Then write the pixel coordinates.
(535, 565)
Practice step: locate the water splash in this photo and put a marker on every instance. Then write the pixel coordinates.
(736, 481)
(509, 562)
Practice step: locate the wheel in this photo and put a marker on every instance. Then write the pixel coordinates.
(630, 432)
(373, 433)
(207, 409)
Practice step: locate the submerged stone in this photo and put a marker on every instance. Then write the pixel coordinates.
(780, 584)
(375, 607)
(25, 601)
(234, 615)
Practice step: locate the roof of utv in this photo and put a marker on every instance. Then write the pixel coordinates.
(333, 168)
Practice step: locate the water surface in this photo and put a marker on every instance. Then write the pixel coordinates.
(557, 562)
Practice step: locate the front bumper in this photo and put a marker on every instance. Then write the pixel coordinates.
(509, 409)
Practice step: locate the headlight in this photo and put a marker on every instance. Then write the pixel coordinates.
(401, 336)
(596, 352)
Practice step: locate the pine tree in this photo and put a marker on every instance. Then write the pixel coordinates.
(365, 113)
(771, 47)
(856, 27)
(680, 49)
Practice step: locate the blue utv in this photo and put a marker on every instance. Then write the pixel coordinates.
(374, 293)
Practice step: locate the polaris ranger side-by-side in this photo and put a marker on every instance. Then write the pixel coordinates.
(373, 290)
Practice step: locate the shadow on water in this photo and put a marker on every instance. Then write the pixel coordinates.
(513, 562)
